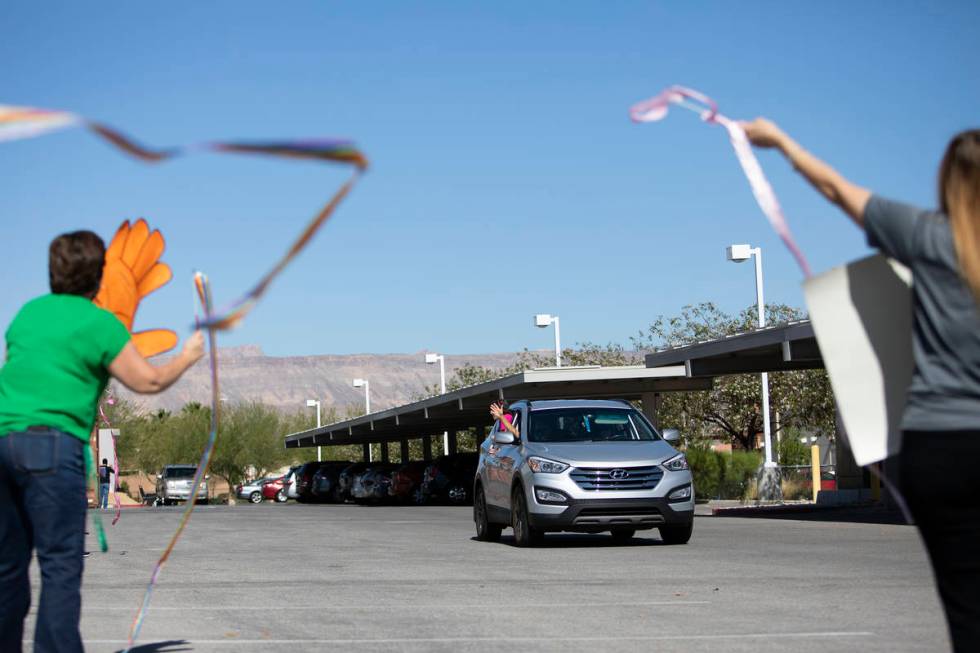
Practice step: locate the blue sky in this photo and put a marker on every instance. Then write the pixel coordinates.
(506, 179)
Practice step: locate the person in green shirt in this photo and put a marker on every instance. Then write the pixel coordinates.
(61, 351)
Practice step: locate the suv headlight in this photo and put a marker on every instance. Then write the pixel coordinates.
(676, 464)
(545, 466)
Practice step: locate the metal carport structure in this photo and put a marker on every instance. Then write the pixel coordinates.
(781, 348)
(468, 407)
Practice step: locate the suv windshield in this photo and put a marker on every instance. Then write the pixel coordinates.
(588, 425)
(179, 472)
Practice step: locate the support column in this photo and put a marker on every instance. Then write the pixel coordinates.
(405, 453)
(651, 408)
(426, 447)
(453, 445)
(384, 451)
(365, 452)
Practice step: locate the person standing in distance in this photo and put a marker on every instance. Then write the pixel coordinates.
(105, 480)
(61, 351)
(941, 421)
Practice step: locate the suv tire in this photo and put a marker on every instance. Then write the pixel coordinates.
(255, 497)
(677, 534)
(524, 534)
(485, 531)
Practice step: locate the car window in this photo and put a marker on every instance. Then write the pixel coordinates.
(588, 425)
(179, 472)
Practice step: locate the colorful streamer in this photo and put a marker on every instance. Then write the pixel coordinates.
(27, 122)
(656, 109)
(203, 287)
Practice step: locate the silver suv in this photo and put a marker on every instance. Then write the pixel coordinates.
(174, 484)
(585, 466)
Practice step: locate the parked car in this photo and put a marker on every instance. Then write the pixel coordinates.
(275, 490)
(346, 480)
(252, 491)
(174, 484)
(326, 479)
(406, 482)
(304, 480)
(450, 478)
(291, 483)
(371, 485)
(585, 466)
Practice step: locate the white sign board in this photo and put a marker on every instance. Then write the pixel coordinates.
(107, 448)
(862, 318)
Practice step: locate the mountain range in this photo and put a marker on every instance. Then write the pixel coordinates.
(286, 382)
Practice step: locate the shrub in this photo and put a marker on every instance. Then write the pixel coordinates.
(791, 451)
(705, 468)
(796, 488)
(739, 470)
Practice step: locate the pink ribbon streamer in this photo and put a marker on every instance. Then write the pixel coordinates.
(656, 109)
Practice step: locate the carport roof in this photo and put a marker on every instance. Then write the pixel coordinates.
(468, 407)
(781, 348)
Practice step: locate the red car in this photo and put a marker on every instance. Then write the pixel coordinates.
(275, 490)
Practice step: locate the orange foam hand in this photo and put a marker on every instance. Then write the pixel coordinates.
(132, 271)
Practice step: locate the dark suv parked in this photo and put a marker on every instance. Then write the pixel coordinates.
(346, 480)
(450, 478)
(326, 480)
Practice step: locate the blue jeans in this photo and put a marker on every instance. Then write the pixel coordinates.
(42, 507)
(103, 495)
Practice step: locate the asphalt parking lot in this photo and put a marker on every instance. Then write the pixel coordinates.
(326, 577)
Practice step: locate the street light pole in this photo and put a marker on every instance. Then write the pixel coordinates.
(364, 383)
(760, 300)
(739, 253)
(309, 404)
(543, 321)
(358, 383)
(432, 359)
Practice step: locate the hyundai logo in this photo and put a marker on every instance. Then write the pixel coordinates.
(619, 474)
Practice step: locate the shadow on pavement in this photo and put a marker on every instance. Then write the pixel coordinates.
(170, 646)
(845, 514)
(587, 541)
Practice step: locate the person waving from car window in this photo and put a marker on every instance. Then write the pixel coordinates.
(498, 410)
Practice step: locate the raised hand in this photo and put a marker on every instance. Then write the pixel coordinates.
(132, 271)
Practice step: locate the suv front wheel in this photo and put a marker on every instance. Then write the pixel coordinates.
(524, 533)
(677, 534)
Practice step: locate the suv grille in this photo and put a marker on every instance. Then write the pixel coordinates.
(618, 478)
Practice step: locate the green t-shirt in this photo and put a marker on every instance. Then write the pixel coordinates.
(59, 348)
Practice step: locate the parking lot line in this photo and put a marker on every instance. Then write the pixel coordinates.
(514, 640)
(412, 606)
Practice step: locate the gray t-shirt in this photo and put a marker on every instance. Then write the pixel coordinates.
(945, 390)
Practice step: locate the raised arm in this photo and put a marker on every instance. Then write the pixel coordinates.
(850, 197)
(497, 412)
(137, 374)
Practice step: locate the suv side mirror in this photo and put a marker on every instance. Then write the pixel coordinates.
(503, 437)
(672, 435)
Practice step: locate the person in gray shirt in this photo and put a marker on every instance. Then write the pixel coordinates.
(941, 421)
